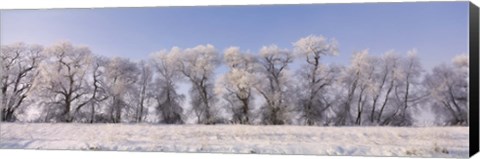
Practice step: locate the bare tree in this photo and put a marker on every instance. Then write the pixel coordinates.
(168, 100)
(236, 86)
(19, 70)
(273, 83)
(314, 76)
(197, 65)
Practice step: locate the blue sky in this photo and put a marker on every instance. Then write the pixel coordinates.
(438, 30)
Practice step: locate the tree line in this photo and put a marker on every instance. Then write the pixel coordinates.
(68, 83)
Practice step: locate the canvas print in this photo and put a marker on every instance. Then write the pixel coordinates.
(374, 79)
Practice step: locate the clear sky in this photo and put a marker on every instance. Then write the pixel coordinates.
(438, 30)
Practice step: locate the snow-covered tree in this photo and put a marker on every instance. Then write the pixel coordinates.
(121, 75)
(2, 73)
(461, 62)
(143, 90)
(19, 70)
(407, 91)
(357, 80)
(448, 87)
(97, 86)
(197, 65)
(169, 102)
(63, 80)
(314, 76)
(274, 83)
(236, 86)
(388, 79)
(66, 83)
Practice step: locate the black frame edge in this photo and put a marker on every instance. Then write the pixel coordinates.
(474, 81)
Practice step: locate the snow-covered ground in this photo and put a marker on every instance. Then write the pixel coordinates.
(371, 141)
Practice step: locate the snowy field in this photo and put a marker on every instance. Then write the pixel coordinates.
(371, 141)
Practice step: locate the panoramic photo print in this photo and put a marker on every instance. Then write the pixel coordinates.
(373, 79)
